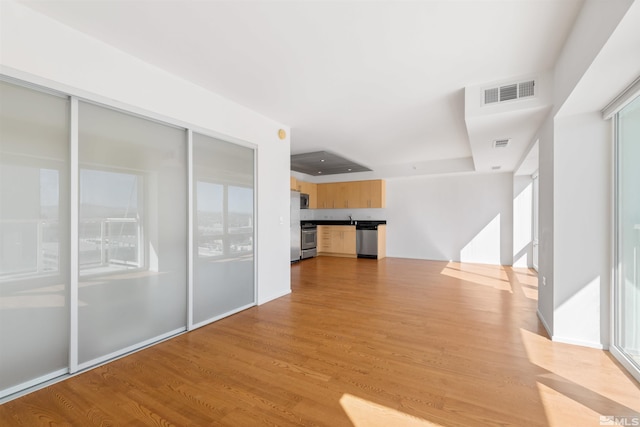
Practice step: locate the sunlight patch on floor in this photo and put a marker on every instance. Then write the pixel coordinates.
(569, 396)
(491, 276)
(531, 293)
(488, 270)
(562, 411)
(527, 281)
(364, 413)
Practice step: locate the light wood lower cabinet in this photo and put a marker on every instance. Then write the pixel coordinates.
(337, 240)
(382, 241)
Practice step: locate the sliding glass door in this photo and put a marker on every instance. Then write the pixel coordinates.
(627, 286)
(223, 273)
(132, 232)
(95, 257)
(34, 236)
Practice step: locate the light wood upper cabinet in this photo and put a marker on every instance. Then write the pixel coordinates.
(308, 188)
(351, 195)
(312, 190)
(343, 195)
(327, 195)
(372, 194)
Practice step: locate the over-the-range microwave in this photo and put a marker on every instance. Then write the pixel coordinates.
(304, 201)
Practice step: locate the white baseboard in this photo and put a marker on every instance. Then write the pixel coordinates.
(544, 323)
(264, 300)
(565, 340)
(590, 344)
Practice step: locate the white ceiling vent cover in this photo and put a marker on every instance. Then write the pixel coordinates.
(491, 95)
(501, 143)
(526, 89)
(509, 92)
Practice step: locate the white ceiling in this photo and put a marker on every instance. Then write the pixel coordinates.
(382, 83)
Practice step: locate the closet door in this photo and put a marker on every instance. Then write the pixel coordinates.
(132, 232)
(34, 237)
(223, 253)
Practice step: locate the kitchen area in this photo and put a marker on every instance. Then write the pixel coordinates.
(341, 219)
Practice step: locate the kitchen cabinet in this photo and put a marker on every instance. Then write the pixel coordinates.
(348, 195)
(337, 240)
(371, 194)
(336, 195)
(351, 195)
(327, 194)
(382, 241)
(311, 189)
(308, 188)
(343, 195)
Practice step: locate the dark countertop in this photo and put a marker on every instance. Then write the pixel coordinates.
(344, 222)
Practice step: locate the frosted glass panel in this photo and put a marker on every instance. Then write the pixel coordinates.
(111, 239)
(223, 227)
(34, 235)
(132, 231)
(628, 286)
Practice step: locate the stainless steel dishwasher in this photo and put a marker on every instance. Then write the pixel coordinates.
(367, 240)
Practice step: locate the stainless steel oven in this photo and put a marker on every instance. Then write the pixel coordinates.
(308, 240)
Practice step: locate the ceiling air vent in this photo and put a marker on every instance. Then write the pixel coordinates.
(491, 95)
(501, 143)
(509, 92)
(526, 89)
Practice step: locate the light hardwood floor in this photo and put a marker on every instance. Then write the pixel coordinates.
(360, 343)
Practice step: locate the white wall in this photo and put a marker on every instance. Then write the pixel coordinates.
(523, 221)
(458, 218)
(448, 217)
(593, 28)
(546, 225)
(582, 230)
(42, 51)
(576, 173)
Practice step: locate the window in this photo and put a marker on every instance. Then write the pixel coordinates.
(30, 241)
(210, 214)
(627, 284)
(224, 231)
(110, 230)
(240, 224)
(223, 270)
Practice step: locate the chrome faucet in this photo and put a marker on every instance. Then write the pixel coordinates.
(350, 219)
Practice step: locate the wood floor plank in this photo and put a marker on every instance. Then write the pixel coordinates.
(357, 343)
